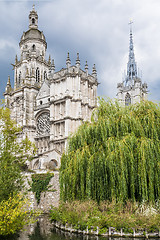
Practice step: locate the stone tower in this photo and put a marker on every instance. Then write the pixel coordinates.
(29, 73)
(131, 90)
(48, 105)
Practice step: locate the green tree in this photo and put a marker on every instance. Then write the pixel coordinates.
(116, 156)
(13, 155)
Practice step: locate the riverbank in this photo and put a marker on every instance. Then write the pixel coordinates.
(108, 219)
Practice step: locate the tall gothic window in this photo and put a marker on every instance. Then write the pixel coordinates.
(127, 99)
(37, 75)
(19, 78)
(45, 75)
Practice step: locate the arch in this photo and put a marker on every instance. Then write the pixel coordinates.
(33, 21)
(53, 164)
(37, 75)
(43, 124)
(127, 99)
(41, 112)
(37, 165)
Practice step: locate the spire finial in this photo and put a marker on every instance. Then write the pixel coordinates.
(77, 60)
(68, 61)
(53, 65)
(33, 7)
(94, 71)
(86, 68)
(49, 60)
(9, 82)
(51, 69)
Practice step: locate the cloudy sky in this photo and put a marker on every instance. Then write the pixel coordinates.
(97, 29)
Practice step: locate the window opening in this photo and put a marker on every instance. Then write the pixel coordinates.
(37, 75)
(127, 99)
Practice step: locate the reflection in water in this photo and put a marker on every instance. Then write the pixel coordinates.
(44, 230)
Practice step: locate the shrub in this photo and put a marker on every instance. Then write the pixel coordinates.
(13, 215)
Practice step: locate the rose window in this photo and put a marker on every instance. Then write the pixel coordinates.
(43, 124)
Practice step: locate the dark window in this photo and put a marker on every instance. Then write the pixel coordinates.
(127, 99)
(40, 102)
(19, 78)
(45, 75)
(37, 75)
(33, 21)
(33, 47)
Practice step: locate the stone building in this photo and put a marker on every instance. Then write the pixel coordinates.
(48, 105)
(131, 89)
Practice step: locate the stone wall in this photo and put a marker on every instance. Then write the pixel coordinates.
(48, 198)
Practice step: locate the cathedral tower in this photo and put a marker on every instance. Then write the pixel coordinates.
(131, 90)
(29, 73)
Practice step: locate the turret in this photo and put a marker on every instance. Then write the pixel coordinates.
(68, 61)
(33, 19)
(94, 71)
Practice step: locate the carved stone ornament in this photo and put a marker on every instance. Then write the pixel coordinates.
(43, 124)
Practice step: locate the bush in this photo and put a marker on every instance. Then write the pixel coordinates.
(13, 215)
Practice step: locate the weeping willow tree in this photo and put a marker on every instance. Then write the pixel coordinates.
(116, 156)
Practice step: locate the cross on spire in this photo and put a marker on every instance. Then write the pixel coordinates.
(130, 23)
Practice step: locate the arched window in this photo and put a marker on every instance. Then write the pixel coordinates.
(33, 47)
(127, 99)
(45, 75)
(19, 78)
(37, 75)
(33, 21)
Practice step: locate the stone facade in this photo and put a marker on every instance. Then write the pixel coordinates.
(48, 198)
(131, 90)
(48, 105)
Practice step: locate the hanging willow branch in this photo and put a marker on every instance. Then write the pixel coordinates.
(116, 156)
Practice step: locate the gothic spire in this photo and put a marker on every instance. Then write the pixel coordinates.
(68, 61)
(94, 71)
(77, 60)
(131, 65)
(86, 68)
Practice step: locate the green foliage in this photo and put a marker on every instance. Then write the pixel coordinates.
(40, 184)
(12, 156)
(13, 215)
(116, 156)
(107, 214)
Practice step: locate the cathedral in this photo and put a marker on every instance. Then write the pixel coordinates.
(51, 105)
(48, 105)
